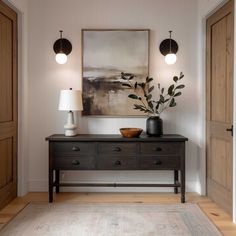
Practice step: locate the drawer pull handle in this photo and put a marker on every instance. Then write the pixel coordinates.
(75, 149)
(157, 149)
(118, 163)
(117, 149)
(157, 163)
(75, 163)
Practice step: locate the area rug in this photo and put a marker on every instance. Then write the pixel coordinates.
(65, 219)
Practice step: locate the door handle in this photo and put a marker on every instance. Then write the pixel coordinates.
(231, 130)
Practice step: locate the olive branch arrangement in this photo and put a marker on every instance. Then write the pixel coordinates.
(143, 94)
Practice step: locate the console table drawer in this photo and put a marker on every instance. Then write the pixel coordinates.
(160, 148)
(117, 163)
(160, 163)
(73, 148)
(74, 163)
(117, 148)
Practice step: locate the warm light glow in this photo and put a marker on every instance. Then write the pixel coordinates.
(61, 58)
(170, 58)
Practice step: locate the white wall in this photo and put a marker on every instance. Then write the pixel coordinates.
(46, 77)
(207, 6)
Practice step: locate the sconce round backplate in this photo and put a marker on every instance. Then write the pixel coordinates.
(165, 47)
(63, 45)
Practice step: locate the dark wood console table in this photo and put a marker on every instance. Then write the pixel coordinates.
(113, 152)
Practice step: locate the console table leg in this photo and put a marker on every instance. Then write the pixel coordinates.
(176, 179)
(182, 186)
(50, 185)
(57, 180)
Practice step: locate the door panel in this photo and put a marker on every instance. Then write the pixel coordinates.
(8, 104)
(6, 162)
(218, 84)
(221, 162)
(229, 65)
(6, 113)
(220, 105)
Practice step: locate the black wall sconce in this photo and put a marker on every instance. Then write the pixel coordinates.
(169, 48)
(62, 47)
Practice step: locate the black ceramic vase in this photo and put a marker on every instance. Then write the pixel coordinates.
(154, 126)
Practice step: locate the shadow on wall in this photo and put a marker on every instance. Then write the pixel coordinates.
(83, 123)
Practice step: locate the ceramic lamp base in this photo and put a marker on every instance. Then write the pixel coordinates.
(70, 127)
(70, 131)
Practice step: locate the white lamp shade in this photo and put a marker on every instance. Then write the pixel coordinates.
(70, 100)
(170, 58)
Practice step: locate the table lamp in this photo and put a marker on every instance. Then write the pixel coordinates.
(70, 100)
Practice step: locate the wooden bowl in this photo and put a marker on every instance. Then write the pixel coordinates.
(131, 132)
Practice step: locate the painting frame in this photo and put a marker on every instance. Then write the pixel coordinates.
(83, 31)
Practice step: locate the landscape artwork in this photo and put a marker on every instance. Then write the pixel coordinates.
(105, 54)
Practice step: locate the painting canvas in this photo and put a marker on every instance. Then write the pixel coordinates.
(107, 53)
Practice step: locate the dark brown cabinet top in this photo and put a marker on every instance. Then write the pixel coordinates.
(117, 137)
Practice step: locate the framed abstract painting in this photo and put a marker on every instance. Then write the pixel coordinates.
(105, 54)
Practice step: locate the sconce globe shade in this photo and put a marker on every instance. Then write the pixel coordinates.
(61, 58)
(170, 58)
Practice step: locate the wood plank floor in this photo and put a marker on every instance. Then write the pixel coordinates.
(221, 219)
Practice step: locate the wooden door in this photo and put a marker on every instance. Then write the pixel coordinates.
(220, 40)
(8, 104)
